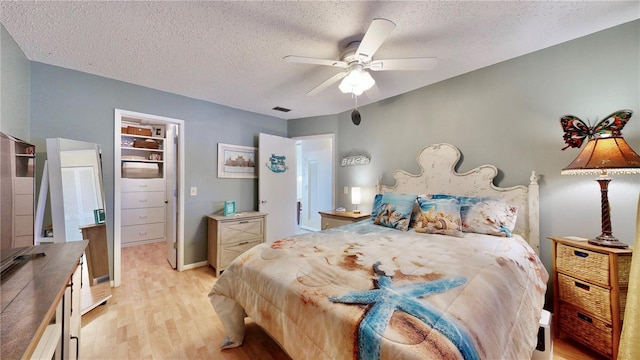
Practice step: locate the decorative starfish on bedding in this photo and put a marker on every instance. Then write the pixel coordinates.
(388, 298)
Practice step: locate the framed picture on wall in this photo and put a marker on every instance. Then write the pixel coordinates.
(237, 162)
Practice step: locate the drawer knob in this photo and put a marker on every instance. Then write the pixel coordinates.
(243, 222)
(142, 233)
(582, 286)
(243, 243)
(580, 254)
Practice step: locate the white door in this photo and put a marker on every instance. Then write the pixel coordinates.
(170, 154)
(316, 171)
(277, 185)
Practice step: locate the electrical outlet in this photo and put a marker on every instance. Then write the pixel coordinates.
(194, 191)
(346, 190)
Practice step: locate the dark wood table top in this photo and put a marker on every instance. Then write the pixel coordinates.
(30, 294)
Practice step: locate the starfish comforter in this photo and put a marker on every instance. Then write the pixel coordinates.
(364, 291)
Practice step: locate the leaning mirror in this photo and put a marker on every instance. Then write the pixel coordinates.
(78, 205)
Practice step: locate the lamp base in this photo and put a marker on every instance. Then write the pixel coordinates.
(608, 241)
(356, 211)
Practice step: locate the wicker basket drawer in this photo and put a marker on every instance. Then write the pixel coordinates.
(583, 264)
(233, 251)
(590, 331)
(592, 298)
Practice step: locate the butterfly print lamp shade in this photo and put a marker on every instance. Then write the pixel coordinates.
(605, 154)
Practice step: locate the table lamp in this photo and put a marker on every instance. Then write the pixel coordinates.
(355, 198)
(605, 154)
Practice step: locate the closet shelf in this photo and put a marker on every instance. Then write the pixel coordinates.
(141, 149)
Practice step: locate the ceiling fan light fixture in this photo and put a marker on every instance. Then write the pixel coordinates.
(356, 82)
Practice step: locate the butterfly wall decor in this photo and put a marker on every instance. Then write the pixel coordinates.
(575, 130)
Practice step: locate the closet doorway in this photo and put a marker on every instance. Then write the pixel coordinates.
(315, 179)
(148, 185)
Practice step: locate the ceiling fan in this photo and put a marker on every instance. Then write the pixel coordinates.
(357, 57)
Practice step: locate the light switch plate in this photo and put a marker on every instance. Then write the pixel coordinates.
(194, 191)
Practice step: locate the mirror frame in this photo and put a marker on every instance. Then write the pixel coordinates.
(54, 148)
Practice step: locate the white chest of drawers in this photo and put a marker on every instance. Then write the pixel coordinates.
(143, 211)
(230, 236)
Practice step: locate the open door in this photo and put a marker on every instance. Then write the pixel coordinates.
(277, 192)
(171, 194)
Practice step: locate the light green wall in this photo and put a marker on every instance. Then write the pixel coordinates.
(74, 105)
(508, 115)
(14, 87)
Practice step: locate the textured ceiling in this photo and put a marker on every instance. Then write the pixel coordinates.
(231, 53)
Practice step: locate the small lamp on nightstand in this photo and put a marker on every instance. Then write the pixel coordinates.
(356, 198)
(605, 154)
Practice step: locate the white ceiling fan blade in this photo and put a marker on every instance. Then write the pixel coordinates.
(327, 83)
(314, 61)
(377, 33)
(404, 64)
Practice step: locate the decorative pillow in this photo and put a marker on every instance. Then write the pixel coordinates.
(439, 216)
(395, 211)
(377, 205)
(489, 216)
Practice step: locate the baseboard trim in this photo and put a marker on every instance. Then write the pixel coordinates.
(195, 265)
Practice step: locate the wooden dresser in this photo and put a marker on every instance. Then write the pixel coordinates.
(331, 219)
(590, 290)
(230, 236)
(41, 304)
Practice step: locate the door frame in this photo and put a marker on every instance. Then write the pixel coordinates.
(117, 171)
(332, 137)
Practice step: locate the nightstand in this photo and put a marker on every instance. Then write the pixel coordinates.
(230, 236)
(590, 290)
(331, 219)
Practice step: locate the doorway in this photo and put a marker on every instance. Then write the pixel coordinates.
(315, 179)
(157, 168)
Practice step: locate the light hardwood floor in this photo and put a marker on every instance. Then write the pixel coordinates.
(159, 313)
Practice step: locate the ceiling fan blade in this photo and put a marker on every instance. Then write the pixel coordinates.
(404, 64)
(377, 33)
(314, 61)
(327, 83)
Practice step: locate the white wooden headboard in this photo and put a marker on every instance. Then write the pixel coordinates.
(438, 176)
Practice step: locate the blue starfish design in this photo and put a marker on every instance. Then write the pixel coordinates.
(388, 298)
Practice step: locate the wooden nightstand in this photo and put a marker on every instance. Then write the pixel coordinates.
(331, 219)
(590, 290)
(230, 236)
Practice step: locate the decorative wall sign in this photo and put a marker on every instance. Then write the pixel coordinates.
(236, 161)
(355, 160)
(276, 164)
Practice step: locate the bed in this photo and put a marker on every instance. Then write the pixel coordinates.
(429, 284)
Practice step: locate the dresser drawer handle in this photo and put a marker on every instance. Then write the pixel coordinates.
(143, 200)
(585, 318)
(580, 254)
(142, 217)
(243, 243)
(582, 286)
(243, 222)
(142, 185)
(141, 233)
